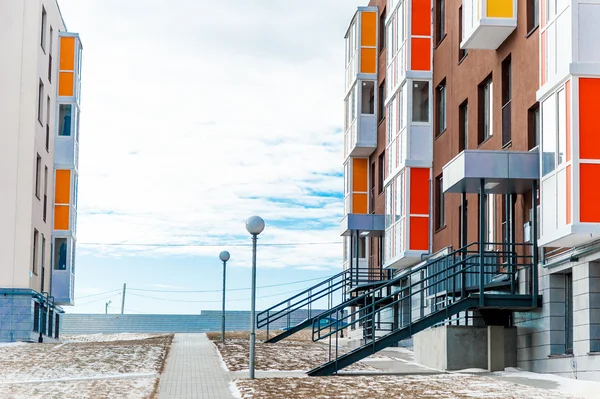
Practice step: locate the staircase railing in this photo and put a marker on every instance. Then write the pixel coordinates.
(340, 284)
(453, 276)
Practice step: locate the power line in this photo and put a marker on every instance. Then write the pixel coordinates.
(218, 301)
(232, 289)
(100, 293)
(99, 300)
(123, 244)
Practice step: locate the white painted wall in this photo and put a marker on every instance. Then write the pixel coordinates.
(22, 137)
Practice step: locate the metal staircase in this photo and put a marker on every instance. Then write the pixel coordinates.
(470, 278)
(340, 291)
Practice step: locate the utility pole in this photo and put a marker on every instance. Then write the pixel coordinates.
(106, 307)
(123, 298)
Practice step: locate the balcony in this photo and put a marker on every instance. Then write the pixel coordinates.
(487, 23)
(361, 138)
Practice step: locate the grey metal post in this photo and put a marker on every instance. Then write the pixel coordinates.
(223, 311)
(534, 272)
(463, 244)
(252, 307)
(123, 298)
(482, 225)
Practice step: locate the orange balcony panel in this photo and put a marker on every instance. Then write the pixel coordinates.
(589, 108)
(61, 217)
(421, 54)
(65, 84)
(359, 203)
(360, 175)
(67, 53)
(421, 18)
(419, 191)
(369, 29)
(589, 195)
(62, 191)
(368, 60)
(419, 233)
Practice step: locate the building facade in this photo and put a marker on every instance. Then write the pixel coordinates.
(40, 77)
(465, 120)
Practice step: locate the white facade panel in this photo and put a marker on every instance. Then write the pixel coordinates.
(589, 31)
(561, 204)
(548, 205)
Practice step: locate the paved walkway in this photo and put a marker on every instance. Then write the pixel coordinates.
(193, 370)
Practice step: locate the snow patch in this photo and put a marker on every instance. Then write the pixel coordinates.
(582, 388)
(9, 344)
(93, 377)
(235, 392)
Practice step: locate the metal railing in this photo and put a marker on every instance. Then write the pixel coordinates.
(456, 275)
(340, 284)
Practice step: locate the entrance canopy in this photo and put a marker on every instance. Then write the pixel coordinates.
(504, 172)
(368, 225)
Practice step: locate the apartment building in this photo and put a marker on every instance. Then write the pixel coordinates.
(469, 142)
(40, 76)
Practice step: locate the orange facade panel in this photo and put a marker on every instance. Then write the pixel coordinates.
(359, 203)
(421, 18)
(65, 84)
(568, 193)
(67, 53)
(589, 197)
(368, 60)
(62, 190)
(420, 59)
(419, 191)
(568, 119)
(368, 34)
(419, 233)
(61, 217)
(360, 175)
(589, 109)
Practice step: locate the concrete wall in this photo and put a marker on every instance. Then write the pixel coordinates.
(16, 318)
(460, 347)
(541, 334)
(22, 137)
(208, 320)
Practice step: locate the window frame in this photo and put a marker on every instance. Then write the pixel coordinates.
(440, 21)
(440, 203)
(462, 53)
(44, 23)
(533, 16)
(38, 177)
(441, 108)
(463, 126)
(486, 110)
(35, 251)
(40, 110)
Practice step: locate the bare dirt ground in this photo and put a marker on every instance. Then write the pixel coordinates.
(296, 353)
(444, 386)
(108, 367)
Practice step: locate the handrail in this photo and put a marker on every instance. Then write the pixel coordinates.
(460, 265)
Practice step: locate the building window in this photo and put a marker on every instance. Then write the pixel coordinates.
(43, 34)
(491, 221)
(38, 172)
(441, 107)
(64, 119)
(440, 206)
(381, 175)
(568, 313)
(382, 31)
(40, 110)
(45, 192)
(380, 107)
(463, 126)
(60, 254)
(420, 94)
(533, 126)
(48, 124)
(548, 131)
(485, 110)
(462, 53)
(50, 55)
(440, 20)
(533, 14)
(506, 99)
(36, 239)
(368, 98)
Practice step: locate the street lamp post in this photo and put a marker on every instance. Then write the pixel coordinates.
(255, 225)
(106, 307)
(224, 256)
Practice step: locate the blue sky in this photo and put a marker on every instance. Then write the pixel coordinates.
(195, 116)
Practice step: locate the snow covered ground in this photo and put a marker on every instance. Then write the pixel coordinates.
(94, 366)
(392, 374)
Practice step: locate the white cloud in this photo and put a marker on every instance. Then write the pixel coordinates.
(197, 114)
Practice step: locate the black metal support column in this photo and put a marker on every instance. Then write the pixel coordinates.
(357, 243)
(513, 240)
(463, 244)
(534, 271)
(351, 256)
(482, 232)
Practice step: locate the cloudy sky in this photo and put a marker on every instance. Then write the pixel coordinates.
(195, 115)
